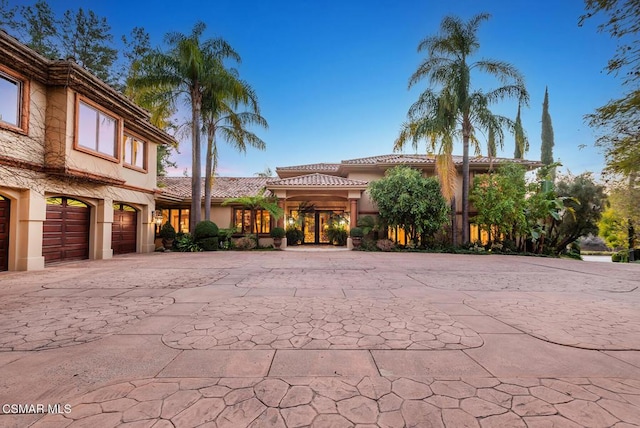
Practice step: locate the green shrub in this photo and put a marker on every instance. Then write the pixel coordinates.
(167, 231)
(620, 256)
(185, 243)
(357, 232)
(278, 232)
(209, 244)
(224, 238)
(205, 229)
(294, 236)
(337, 235)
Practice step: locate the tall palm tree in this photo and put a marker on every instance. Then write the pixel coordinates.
(453, 109)
(183, 72)
(223, 95)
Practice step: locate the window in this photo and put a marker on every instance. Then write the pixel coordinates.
(178, 217)
(13, 100)
(134, 152)
(244, 221)
(96, 130)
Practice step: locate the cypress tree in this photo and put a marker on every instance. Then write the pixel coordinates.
(522, 145)
(547, 132)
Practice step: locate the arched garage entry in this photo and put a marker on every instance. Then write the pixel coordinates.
(4, 233)
(65, 234)
(124, 229)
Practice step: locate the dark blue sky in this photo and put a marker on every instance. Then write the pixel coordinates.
(332, 75)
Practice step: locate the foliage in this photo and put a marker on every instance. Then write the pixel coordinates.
(41, 26)
(613, 230)
(278, 232)
(546, 136)
(167, 231)
(337, 235)
(521, 142)
(205, 229)
(368, 224)
(499, 199)
(255, 203)
(294, 235)
(587, 201)
(621, 256)
(186, 244)
(208, 244)
(619, 119)
(450, 108)
(356, 232)
(386, 245)
(246, 243)
(406, 199)
(224, 237)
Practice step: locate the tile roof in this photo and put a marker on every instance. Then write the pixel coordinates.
(400, 158)
(317, 180)
(223, 187)
(333, 167)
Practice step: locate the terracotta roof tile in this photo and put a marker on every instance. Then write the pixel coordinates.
(401, 158)
(333, 167)
(223, 187)
(317, 180)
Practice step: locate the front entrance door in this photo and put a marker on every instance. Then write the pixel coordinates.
(4, 234)
(315, 227)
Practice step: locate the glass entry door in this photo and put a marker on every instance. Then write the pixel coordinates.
(315, 227)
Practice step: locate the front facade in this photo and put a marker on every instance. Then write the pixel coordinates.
(313, 196)
(77, 164)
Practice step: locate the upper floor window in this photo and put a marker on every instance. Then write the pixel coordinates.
(96, 130)
(13, 102)
(134, 152)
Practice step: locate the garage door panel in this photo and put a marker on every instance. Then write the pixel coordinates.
(66, 231)
(124, 230)
(4, 234)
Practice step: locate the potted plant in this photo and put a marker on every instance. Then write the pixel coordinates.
(356, 236)
(277, 233)
(294, 235)
(168, 234)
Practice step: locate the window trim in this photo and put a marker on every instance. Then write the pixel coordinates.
(145, 156)
(25, 99)
(118, 140)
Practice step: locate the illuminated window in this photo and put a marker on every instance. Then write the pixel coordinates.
(178, 217)
(13, 100)
(96, 130)
(245, 223)
(134, 152)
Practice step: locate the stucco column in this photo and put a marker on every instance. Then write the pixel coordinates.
(353, 217)
(281, 219)
(32, 212)
(104, 221)
(147, 231)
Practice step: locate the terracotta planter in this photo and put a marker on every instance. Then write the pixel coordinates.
(277, 242)
(167, 244)
(357, 241)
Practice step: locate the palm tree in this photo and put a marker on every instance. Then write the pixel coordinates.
(183, 72)
(222, 97)
(455, 110)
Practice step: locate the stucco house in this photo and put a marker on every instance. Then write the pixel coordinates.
(330, 188)
(77, 164)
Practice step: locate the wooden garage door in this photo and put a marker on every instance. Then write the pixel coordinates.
(66, 230)
(4, 234)
(123, 230)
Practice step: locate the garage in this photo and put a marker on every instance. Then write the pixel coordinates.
(66, 230)
(4, 234)
(124, 229)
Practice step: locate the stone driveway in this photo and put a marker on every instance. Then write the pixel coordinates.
(322, 339)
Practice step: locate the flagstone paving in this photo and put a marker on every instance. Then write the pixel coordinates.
(322, 339)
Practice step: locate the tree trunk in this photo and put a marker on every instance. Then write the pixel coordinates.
(211, 163)
(454, 221)
(196, 174)
(466, 131)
